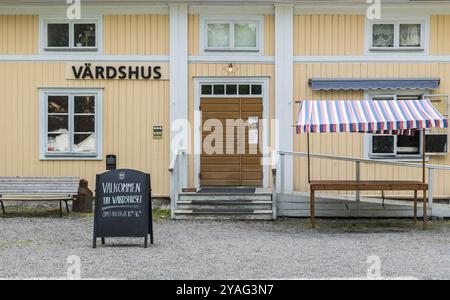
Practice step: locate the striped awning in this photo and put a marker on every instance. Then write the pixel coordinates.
(373, 116)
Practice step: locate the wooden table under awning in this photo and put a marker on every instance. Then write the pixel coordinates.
(400, 117)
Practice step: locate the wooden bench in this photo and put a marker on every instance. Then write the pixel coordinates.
(38, 189)
(374, 185)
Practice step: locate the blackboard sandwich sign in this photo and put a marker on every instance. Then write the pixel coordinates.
(123, 205)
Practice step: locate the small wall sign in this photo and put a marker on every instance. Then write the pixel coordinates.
(125, 71)
(157, 132)
(123, 205)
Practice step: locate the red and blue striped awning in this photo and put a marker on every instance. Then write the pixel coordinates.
(371, 116)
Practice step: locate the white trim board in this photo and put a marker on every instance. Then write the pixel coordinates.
(232, 9)
(86, 8)
(227, 59)
(373, 58)
(198, 81)
(231, 59)
(85, 57)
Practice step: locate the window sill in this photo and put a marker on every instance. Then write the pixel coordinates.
(215, 50)
(414, 158)
(396, 50)
(71, 157)
(81, 49)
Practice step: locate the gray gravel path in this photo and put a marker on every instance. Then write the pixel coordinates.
(39, 247)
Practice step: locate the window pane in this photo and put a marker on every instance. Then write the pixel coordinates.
(383, 144)
(218, 35)
(408, 144)
(245, 35)
(58, 142)
(231, 89)
(409, 35)
(244, 89)
(84, 35)
(84, 123)
(219, 89)
(58, 104)
(84, 104)
(383, 35)
(207, 89)
(256, 89)
(84, 143)
(58, 35)
(58, 123)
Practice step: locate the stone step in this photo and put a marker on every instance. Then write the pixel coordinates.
(224, 205)
(225, 197)
(223, 215)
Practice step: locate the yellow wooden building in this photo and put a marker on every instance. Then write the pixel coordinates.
(123, 78)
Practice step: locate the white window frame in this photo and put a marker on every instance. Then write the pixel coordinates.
(214, 19)
(368, 136)
(44, 154)
(97, 20)
(424, 36)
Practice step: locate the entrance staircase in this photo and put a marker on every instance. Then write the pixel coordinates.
(234, 205)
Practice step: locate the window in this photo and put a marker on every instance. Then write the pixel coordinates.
(231, 35)
(68, 35)
(396, 35)
(70, 125)
(395, 146)
(244, 89)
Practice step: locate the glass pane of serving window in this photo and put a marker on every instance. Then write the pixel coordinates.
(383, 144)
(218, 35)
(219, 89)
(408, 144)
(84, 104)
(84, 35)
(207, 89)
(231, 89)
(244, 89)
(256, 89)
(383, 35)
(410, 35)
(58, 35)
(245, 35)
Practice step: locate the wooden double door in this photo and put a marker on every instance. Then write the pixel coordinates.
(231, 155)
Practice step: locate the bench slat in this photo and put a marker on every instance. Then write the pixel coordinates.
(37, 188)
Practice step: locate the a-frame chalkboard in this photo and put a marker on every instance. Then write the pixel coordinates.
(123, 206)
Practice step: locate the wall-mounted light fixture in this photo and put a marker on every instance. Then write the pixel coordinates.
(230, 68)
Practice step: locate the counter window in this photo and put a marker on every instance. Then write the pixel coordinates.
(70, 124)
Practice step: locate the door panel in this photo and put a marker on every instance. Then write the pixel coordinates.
(241, 168)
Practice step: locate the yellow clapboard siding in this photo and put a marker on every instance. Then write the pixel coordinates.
(130, 109)
(439, 32)
(19, 34)
(328, 35)
(348, 144)
(136, 34)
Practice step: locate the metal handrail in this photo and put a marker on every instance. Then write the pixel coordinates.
(365, 160)
(358, 162)
(176, 178)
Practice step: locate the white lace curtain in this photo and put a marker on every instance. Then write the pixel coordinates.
(409, 35)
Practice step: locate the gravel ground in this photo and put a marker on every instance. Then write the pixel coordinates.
(38, 247)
